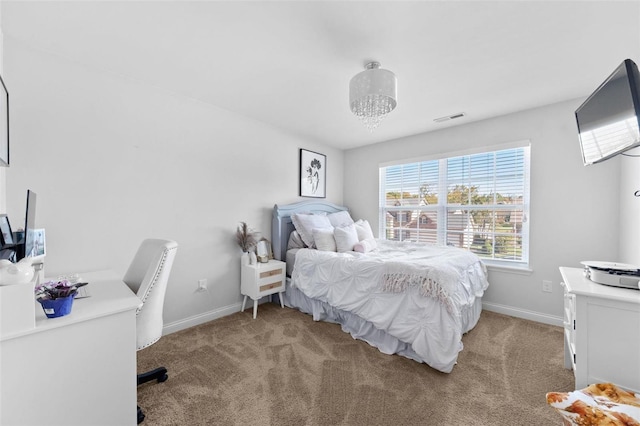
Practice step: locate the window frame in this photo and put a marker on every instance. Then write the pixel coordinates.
(442, 207)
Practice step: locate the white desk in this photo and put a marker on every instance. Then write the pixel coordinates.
(79, 369)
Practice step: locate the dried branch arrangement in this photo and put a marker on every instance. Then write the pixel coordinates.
(247, 238)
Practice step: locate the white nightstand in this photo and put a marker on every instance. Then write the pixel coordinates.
(262, 279)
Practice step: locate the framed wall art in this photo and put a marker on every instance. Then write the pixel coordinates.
(313, 174)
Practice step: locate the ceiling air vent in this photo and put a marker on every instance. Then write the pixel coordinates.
(449, 117)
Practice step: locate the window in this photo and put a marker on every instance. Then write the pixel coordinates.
(479, 202)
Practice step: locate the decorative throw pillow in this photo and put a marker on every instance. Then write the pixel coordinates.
(305, 223)
(324, 240)
(597, 404)
(364, 230)
(346, 237)
(366, 245)
(341, 218)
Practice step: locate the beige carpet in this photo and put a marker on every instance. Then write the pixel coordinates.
(285, 369)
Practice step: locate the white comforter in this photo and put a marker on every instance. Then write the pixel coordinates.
(414, 292)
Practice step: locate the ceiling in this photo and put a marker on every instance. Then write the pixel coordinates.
(289, 63)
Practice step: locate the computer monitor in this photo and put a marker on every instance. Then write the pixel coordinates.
(7, 249)
(30, 224)
(27, 246)
(6, 235)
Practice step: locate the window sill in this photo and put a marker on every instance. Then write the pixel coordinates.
(520, 270)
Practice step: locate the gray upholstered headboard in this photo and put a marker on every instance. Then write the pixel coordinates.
(281, 225)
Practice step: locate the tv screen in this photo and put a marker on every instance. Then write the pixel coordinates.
(608, 119)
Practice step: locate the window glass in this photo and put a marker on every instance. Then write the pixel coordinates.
(478, 202)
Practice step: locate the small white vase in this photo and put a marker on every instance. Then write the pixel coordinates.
(252, 258)
(245, 259)
(16, 273)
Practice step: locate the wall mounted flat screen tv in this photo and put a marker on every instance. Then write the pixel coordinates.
(608, 119)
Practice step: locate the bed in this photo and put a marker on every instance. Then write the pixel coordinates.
(410, 299)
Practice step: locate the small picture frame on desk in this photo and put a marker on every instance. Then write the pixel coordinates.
(6, 235)
(39, 243)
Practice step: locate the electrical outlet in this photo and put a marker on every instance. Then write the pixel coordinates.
(202, 284)
(547, 286)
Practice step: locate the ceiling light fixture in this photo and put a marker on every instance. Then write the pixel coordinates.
(372, 94)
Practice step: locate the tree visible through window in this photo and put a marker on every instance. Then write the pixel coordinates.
(479, 202)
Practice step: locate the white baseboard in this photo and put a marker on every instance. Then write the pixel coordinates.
(523, 313)
(232, 309)
(200, 318)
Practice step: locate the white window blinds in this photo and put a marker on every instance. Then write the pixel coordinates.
(479, 202)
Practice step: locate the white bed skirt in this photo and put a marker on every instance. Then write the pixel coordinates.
(363, 330)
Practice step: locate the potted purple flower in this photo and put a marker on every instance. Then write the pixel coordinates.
(56, 297)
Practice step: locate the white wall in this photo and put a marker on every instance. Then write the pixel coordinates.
(3, 189)
(574, 209)
(630, 208)
(114, 161)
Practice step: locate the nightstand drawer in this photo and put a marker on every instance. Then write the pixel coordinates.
(271, 286)
(268, 274)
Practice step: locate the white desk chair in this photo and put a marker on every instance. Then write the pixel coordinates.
(147, 276)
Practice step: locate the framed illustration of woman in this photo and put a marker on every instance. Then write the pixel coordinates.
(313, 174)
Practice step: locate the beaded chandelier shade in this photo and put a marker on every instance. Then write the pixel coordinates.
(372, 94)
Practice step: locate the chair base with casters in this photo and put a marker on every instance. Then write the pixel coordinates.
(159, 374)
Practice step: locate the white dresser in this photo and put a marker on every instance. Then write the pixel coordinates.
(602, 331)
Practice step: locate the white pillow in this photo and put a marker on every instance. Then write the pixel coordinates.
(364, 230)
(295, 242)
(365, 246)
(324, 239)
(305, 223)
(341, 218)
(346, 237)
